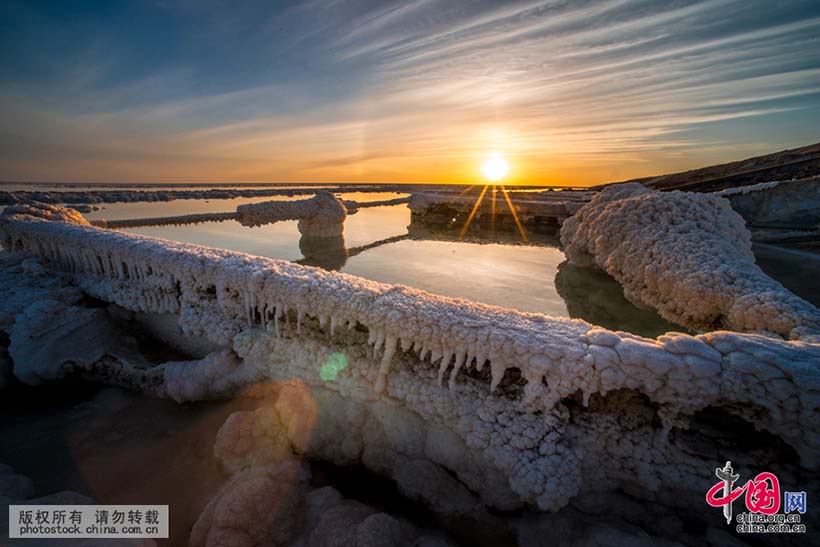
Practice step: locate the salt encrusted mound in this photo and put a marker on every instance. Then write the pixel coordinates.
(25, 281)
(217, 374)
(45, 211)
(258, 506)
(44, 349)
(688, 255)
(268, 497)
(322, 216)
(521, 408)
(273, 505)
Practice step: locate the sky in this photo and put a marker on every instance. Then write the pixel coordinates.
(570, 92)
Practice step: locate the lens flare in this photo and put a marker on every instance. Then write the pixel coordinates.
(335, 364)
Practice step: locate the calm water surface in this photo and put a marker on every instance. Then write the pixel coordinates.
(514, 276)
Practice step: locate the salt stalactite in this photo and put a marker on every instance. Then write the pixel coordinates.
(689, 256)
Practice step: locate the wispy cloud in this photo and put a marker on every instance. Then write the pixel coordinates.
(580, 92)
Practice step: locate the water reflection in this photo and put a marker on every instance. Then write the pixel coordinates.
(506, 234)
(329, 253)
(511, 276)
(597, 298)
(796, 269)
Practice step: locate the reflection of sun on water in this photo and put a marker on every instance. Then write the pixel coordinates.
(495, 167)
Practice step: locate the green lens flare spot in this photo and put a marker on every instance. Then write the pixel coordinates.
(335, 364)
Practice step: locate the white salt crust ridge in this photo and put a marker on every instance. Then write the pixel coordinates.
(748, 189)
(263, 213)
(44, 211)
(128, 196)
(689, 256)
(322, 215)
(782, 207)
(225, 295)
(353, 206)
(178, 220)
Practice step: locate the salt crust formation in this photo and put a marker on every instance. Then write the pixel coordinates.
(45, 211)
(267, 499)
(531, 208)
(321, 216)
(494, 396)
(785, 205)
(689, 256)
(748, 189)
(128, 196)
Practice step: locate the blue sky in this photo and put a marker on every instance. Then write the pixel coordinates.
(574, 92)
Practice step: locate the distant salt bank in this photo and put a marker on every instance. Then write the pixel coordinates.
(136, 194)
(129, 196)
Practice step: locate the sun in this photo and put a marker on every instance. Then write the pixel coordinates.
(495, 167)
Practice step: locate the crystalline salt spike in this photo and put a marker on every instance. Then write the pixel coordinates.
(406, 344)
(456, 367)
(445, 361)
(384, 367)
(498, 369)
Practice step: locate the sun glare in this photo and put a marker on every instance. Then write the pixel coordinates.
(495, 167)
